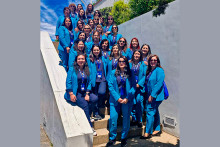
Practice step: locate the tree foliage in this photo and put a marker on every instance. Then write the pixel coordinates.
(105, 12)
(120, 12)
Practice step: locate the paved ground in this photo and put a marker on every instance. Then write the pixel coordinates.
(165, 140)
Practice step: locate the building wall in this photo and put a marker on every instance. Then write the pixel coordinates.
(105, 3)
(163, 35)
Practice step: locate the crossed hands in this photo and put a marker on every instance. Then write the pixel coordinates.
(123, 101)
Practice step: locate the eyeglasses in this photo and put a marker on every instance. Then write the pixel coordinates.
(153, 60)
(114, 27)
(86, 28)
(110, 19)
(96, 19)
(121, 61)
(122, 41)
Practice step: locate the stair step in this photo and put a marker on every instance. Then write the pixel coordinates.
(101, 124)
(102, 136)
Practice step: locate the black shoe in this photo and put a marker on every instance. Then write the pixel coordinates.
(111, 142)
(157, 134)
(143, 137)
(123, 142)
(139, 124)
(97, 117)
(133, 123)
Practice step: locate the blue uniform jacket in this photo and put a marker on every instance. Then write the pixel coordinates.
(155, 84)
(114, 90)
(109, 67)
(60, 22)
(64, 38)
(141, 75)
(72, 83)
(127, 54)
(109, 29)
(110, 39)
(94, 71)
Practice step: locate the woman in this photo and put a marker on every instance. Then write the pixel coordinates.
(134, 45)
(108, 27)
(72, 8)
(122, 45)
(155, 95)
(79, 27)
(146, 52)
(114, 36)
(121, 98)
(95, 40)
(91, 24)
(138, 70)
(98, 68)
(96, 20)
(113, 60)
(97, 13)
(78, 86)
(87, 29)
(89, 12)
(74, 51)
(102, 21)
(104, 46)
(82, 16)
(102, 34)
(79, 6)
(66, 12)
(65, 42)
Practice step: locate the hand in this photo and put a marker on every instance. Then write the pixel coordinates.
(57, 37)
(145, 62)
(91, 58)
(108, 32)
(87, 97)
(150, 99)
(120, 100)
(129, 61)
(125, 101)
(67, 49)
(137, 86)
(73, 98)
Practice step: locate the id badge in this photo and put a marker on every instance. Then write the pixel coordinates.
(82, 87)
(136, 79)
(100, 74)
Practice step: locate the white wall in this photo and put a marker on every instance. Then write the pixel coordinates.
(64, 124)
(163, 35)
(106, 3)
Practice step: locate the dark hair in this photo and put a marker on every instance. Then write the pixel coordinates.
(98, 35)
(107, 20)
(125, 46)
(131, 46)
(76, 47)
(99, 26)
(89, 23)
(112, 54)
(149, 52)
(77, 40)
(87, 10)
(78, 25)
(103, 42)
(84, 16)
(71, 25)
(85, 67)
(127, 70)
(100, 53)
(132, 58)
(97, 11)
(96, 18)
(149, 66)
(116, 27)
(73, 6)
(66, 8)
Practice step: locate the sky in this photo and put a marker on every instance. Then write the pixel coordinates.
(50, 11)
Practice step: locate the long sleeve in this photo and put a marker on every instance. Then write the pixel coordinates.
(114, 94)
(157, 87)
(62, 36)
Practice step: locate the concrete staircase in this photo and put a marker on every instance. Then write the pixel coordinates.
(101, 127)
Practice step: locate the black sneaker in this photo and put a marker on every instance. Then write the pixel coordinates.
(133, 123)
(139, 124)
(97, 117)
(123, 142)
(111, 142)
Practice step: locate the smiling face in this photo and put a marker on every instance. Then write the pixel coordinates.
(81, 12)
(79, 6)
(153, 62)
(90, 7)
(115, 50)
(72, 8)
(96, 51)
(134, 43)
(82, 36)
(99, 28)
(81, 60)
(80, 46)
(96, 20)
(110, 20)
(137, 56)
(79, 24)
(67, 22)
(122, 42)
(96, 36)
(145, 49)
(67, 12)
(114, 29)
(104, 45)
(87, 29)
(91, 23)
(121, 63)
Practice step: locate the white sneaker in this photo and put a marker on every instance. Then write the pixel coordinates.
(94, 132)
(92, 119)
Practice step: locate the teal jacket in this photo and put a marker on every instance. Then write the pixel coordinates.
(64, 38)
(93, 70)
(141, 75)
(72, 83)
(109, 67)
(110, 39)
(60, 22)
(114, 90)
(127, 54)
(154, 85)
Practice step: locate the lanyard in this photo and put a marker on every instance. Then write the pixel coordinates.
(135, 67)
(145, 59)
(115, 62)
(114, 39)
(105, 54)
(98, 62)
(82, 75)
(71, 36)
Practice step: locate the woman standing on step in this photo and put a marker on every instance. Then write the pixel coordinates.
(89, 12)
(122, 45)
(100, 30)
(121, 99)
(108, 27)
(146, 52)
(98, 68)
(114, 36)
(79, 28)
(78, 86)
(155, 95)
(104, 46)
(66, 40)
(134, 45)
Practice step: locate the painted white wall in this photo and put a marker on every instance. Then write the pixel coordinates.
(163, 35)
(64, 124)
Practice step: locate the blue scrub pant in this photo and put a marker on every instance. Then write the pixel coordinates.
(64, 58)
(114, 112)
(138, 107)
(153, 116)
(100, 90)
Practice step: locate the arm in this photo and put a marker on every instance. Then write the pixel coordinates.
(63, 42)
(114, 94)
(157, 87)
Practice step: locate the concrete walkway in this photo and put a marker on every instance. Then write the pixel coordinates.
(44, 140)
